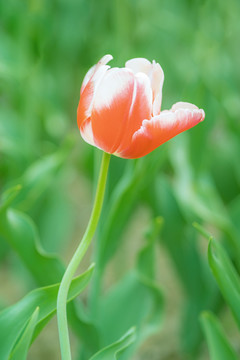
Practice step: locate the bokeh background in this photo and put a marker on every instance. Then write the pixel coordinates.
(46, 47)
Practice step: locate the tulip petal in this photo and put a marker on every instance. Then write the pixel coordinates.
(111, 107)
(156, 76)
(183, 105)
(140, 109)
(103, 61)
(87, 133)
(89, 87)
(87, 77)
(139, 65)
(162, 128)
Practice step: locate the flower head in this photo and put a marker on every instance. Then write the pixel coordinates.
(120, 109)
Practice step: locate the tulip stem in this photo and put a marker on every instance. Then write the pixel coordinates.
(77, 257)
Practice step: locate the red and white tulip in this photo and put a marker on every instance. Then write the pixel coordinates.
(120, 109)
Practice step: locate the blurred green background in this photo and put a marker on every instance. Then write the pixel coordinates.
(46, 47)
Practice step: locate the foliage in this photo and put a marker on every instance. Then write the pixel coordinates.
(47, 172)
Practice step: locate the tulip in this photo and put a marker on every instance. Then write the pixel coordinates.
(120, 109)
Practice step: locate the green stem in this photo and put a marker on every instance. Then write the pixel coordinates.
(77, 257)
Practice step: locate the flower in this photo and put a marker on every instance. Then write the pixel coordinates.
(120, 109)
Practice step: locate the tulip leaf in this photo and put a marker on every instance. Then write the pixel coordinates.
(193, 196)
(195, 199)
(13, 320)
(8, 197)
(38, 176)
(180, 241)
(122, 202)
(21, 349)
(21, 234)
(84, 328)
(116, 349)
(224, 272)
(226, 276)
(136, 300)
(219, 346)
(234, 211)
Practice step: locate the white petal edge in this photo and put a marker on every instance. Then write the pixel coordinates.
(157, 79)
(155, 73)
(87, 133)
(139, 65)
(103, 61)
(169, 117)
(96, 78)
(184, 105)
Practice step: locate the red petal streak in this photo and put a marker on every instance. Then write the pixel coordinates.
(84, 103)
(162, 128)
(111, 108)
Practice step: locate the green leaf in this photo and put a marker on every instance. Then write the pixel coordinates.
(234, 211)
(124, 198)
(13, 320)
(138, 299)
(21, 349)
(135, 300)
(226, 276)
(21, 234)
(55, 219)
(116, 349)
(219, 346)
(202, 231)
(193, 196)
(8, 196)
(180, 241)
(84, 327)
(39, 175)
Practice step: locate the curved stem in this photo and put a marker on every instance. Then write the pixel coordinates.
(77, 257)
